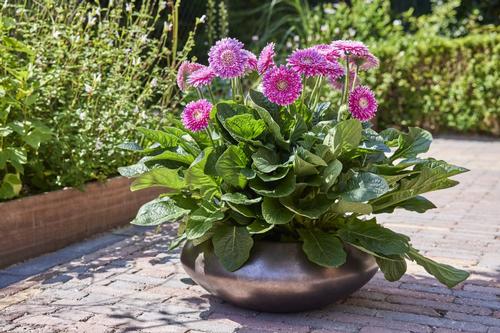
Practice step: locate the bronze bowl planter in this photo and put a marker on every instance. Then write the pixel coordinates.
(278, 277)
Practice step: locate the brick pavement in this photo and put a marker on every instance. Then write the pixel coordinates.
(125, 281)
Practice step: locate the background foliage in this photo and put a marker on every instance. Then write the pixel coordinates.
(98, 72)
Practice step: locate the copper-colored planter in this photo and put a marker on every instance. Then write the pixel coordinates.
(278, 277)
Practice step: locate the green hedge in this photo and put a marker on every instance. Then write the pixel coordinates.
(439, 83)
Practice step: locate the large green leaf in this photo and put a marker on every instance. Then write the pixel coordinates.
(322, 248)
(200, 222)
(417, 204)
(273, 127)
(330, 174)
(274, 212)
(239, 199)
(259, 227)
(276, 189)
(231, 166)
(159, 177)
(10, 186)
(166, 140)
(277, 174)
(307, 163)
(344, 206)
(266, 161)
(393, 269)
(198, 180)
(260, 100)
(232, 245)
(177, 155)
(312, 208)
(445, 274)
(159, 211)
(432, 177)
(374, 237)
(134, 170)
(417, 141)
(345, 136)
(244, 127)
(364, 186)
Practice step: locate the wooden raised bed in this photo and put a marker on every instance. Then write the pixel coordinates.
(46, 222)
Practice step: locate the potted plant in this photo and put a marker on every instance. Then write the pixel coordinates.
(276, 190)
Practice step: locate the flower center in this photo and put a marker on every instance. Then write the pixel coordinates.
(197, 115)
(227, 57)
(282, 85)
(307, 60)
(363, 102)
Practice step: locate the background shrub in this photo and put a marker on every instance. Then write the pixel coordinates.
(99, 72)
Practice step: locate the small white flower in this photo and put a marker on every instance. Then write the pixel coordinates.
(296, 38)
(289, 45)
(89, 89)
(396, 22)
(329, 11)
(163, 5)
(336, 31)
(136, 109)
(136, 61)
(352, 31)
(91, 20)
(154, 83)
(255, 38)
(143, 39)
(97, 77)
(128, 7)
(324, 27)
(99, 145)
(167, 26)
(56, 34)
(203, 19)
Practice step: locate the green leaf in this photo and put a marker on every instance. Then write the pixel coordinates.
(242, 209)
(344, 206)
(374, 237)
(266, 161)
(232, 245)
(134, 170)
(17, 157)
(280, 188)
(432, 177)
(166, 140)
(158, 211)
(37, 135)
(239, 198)
(259, 99)
(322, 248)
(230, 166)
(277, 174)
(417, 141)
(393, 269)
(445, 274)
(390, 136)
(345, 136)
(244, 126)
(198, 180)
(306, 163)
(159, 177)
(364, 186)
(273, 127)
(372, 141)
(259, 227)
(312, 208)
(274, 212)
(11, 186)
(417, 204)
(330, 174)
(130, 146)
(200, 222)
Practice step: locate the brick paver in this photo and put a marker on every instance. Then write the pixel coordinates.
(125, 281)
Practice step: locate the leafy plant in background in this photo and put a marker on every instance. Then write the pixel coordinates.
(20, 133)
(99, 72)
(428, 79)
(280, 165)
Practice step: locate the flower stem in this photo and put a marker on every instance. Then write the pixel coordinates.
(345, 95)
(210, 136)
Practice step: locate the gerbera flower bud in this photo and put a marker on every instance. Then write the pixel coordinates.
(251, 62)
(227, 58)
(266, 59)
(196, 115)
(186, 69)
(362, 103)
(201, 77)
(282, 85)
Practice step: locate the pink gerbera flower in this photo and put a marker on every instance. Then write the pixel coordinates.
(227, 58)
(196, 115)
(251, 62)
(328, 51)
(335, 70)
(362, 103)
(186, 69)
(266, 59)
(308, 62)
(201, 77)
(367, 61)
(282, 85)
(350, 47)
